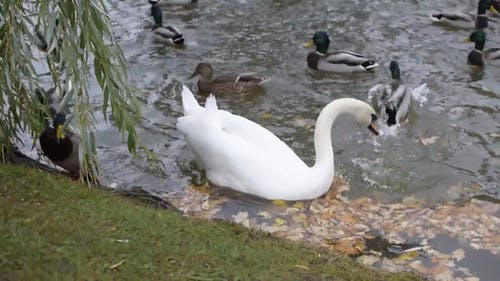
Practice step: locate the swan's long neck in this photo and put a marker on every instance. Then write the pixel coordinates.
(323, 171)
(323, 133)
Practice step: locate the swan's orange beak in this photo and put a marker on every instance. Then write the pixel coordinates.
(373, 125)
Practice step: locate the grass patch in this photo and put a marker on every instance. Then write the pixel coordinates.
(55, 229)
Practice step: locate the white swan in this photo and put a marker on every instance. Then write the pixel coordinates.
(243, 155)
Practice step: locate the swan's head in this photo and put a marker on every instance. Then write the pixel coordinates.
(364, 114)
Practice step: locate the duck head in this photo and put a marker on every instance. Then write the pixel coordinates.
(484, 5)
(478, 37)
(395, 73)
(205, 70)
(58, 123)
(320, 40)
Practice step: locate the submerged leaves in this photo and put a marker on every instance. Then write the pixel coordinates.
(336, 223)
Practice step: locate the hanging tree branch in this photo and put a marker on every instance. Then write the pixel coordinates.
(79, 46)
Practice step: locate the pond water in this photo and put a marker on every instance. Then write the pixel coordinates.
(266, 36)
(450, 146)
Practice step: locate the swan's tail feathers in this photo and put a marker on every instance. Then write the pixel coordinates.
(211, 103)
(189, 102)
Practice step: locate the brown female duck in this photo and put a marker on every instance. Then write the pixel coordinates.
(233, 83)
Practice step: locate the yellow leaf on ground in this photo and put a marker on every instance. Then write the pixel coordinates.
(279, 203)
(409, 255)
(201, 188)
(279, 221)
(299, 205)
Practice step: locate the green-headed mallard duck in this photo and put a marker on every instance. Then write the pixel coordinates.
(238, 153)
(394, 99)
(228, 83)
(164, 34)
(61, 145)
(466, 20)
(477, 56)
(336, 61)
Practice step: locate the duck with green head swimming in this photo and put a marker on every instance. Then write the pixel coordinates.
(335, 61)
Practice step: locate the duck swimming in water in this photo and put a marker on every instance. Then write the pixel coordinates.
(226, 83)
(335, 61)
(478, 56)
(466, 20)
(394, 99)
(164, 34)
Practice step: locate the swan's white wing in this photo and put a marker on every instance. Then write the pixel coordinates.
(241, 154)
(258, 137)
(189, 102)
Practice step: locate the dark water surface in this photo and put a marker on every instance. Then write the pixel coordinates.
(267, 37)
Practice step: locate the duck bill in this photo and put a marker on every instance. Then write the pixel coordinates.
(60, 132)
(467, 40)
(373, 127)
(309, 44)
(493, 10)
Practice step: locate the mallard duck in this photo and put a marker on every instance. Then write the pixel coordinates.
(61, 145)
(394, 99)
(164, 34)
(228, 83)
(466, 20)
(336, 61)
(477, 56)
(238, 153)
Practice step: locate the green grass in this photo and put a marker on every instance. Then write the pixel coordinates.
(55, 229)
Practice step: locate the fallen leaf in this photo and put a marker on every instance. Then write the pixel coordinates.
(299, 205)
(242, 218)
(409, 255)
(280, 203)
(264, 214)
(302, 266)
(279, 221)
(301, 218)
(117, 264)
(201, 188)
(428, 140)
(458, 254)
(368, 260)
